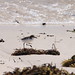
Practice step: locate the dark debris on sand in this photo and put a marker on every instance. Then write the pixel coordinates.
(1, 40)
(29, 51)
(45, 69)
(69, 62)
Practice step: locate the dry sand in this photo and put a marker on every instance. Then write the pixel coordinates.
(12, 35)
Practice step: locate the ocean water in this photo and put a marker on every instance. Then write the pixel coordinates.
(29, 11)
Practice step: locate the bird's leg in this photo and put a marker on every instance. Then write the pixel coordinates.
(24, 45)
(29, 45)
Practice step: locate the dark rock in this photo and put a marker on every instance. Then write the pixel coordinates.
(1, 40)
(43, 23)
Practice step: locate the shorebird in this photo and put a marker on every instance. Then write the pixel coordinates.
(27, 40)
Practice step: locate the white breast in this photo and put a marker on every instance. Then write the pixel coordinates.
(27, 40)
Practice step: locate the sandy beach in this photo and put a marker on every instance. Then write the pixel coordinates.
(21, 18)
(12, 35)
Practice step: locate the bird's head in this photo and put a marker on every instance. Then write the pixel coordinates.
(32, 36)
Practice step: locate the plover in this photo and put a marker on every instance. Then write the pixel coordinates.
(27, 40)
